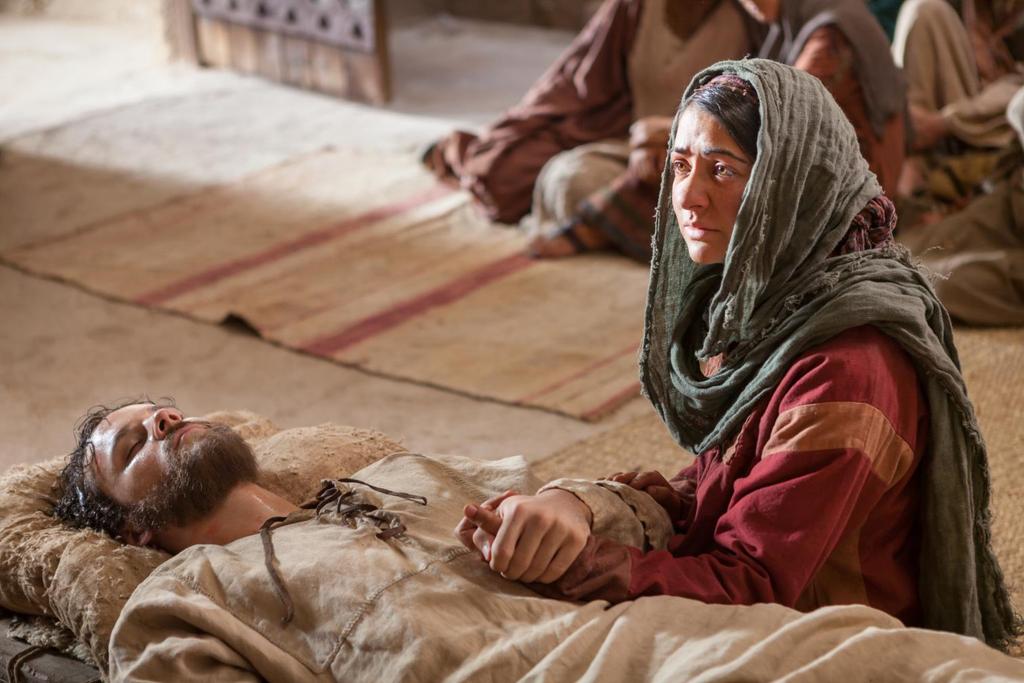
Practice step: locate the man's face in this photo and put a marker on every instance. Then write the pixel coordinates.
(134, 447)
(166, 469)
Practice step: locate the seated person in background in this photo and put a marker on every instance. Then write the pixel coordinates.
(842, 44)
(961, 207)
(961, 70)
(563, 153)
(367, 583)
(977, 253)
(961, 75)
(794, 347)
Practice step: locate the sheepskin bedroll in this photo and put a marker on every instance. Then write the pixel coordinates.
(363, 259)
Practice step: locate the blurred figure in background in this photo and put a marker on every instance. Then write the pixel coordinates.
(562, 153)
(580, 156)
(961, 200)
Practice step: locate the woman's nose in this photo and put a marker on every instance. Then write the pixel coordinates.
(690, 193)
(163, 421)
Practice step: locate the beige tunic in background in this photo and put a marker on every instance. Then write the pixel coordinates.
(931, 45)
(660, 65)
(422, 608)
(977, 250)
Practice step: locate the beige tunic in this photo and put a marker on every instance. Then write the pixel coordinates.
(420, 607)
(660, 66)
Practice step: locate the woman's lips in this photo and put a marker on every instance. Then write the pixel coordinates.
(698, 232)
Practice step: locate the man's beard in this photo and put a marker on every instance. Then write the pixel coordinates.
(202, 473)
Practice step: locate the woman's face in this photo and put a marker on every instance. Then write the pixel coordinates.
(709, 172)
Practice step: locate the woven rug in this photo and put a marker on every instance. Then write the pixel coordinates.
(993, 366)
(363, 259)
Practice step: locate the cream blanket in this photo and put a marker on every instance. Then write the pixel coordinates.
(420, 607)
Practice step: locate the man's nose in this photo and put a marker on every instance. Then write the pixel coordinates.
(163, 421)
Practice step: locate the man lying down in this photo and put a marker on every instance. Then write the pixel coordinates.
(369, 582)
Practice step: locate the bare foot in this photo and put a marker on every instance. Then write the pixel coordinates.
(551, 246)
(568, 241)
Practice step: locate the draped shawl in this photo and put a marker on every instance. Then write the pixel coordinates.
(780, 293)
(881, 83)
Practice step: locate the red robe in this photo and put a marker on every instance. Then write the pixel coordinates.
(814, 503)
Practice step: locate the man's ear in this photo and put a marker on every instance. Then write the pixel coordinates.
(135, 537)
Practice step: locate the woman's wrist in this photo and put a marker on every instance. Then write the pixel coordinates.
(569, 501)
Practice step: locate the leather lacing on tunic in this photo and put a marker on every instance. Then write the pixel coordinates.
(341, 500)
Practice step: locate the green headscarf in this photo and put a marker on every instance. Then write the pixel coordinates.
(780, 293)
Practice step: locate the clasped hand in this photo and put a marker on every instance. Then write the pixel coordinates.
(527, 538)
(648, 140)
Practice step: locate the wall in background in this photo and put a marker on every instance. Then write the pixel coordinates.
(97, 10)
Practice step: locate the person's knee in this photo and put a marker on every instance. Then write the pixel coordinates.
(572, 176)
(927, 14)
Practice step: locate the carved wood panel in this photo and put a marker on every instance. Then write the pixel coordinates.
(344, 23)
(333, 46)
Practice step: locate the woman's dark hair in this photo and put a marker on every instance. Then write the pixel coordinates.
(733, 101)
(81, 502)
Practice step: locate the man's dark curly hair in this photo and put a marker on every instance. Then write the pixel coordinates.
(81, 502)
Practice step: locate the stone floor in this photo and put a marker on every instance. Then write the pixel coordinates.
(114, 127)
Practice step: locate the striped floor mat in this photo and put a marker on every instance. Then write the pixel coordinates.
(365, 260)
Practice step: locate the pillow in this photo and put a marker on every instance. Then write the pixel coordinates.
(83, 578)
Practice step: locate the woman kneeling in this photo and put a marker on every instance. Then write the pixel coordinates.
(792, 345)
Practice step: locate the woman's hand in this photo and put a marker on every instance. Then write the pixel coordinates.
(479, 524)
(529, 538)
(657, 487)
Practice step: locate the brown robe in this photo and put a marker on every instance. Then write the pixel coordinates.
(583, 97)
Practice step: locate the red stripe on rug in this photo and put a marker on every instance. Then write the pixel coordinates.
(394, 278)
(612, 403)
(580, 373)
(396, 315)
(278, 251)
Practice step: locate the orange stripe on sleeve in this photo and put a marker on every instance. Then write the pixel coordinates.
(843, 425)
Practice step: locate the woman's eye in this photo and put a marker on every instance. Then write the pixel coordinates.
(724, 171)
(679, 166)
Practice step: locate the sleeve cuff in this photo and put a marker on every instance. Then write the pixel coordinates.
(620, 512)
